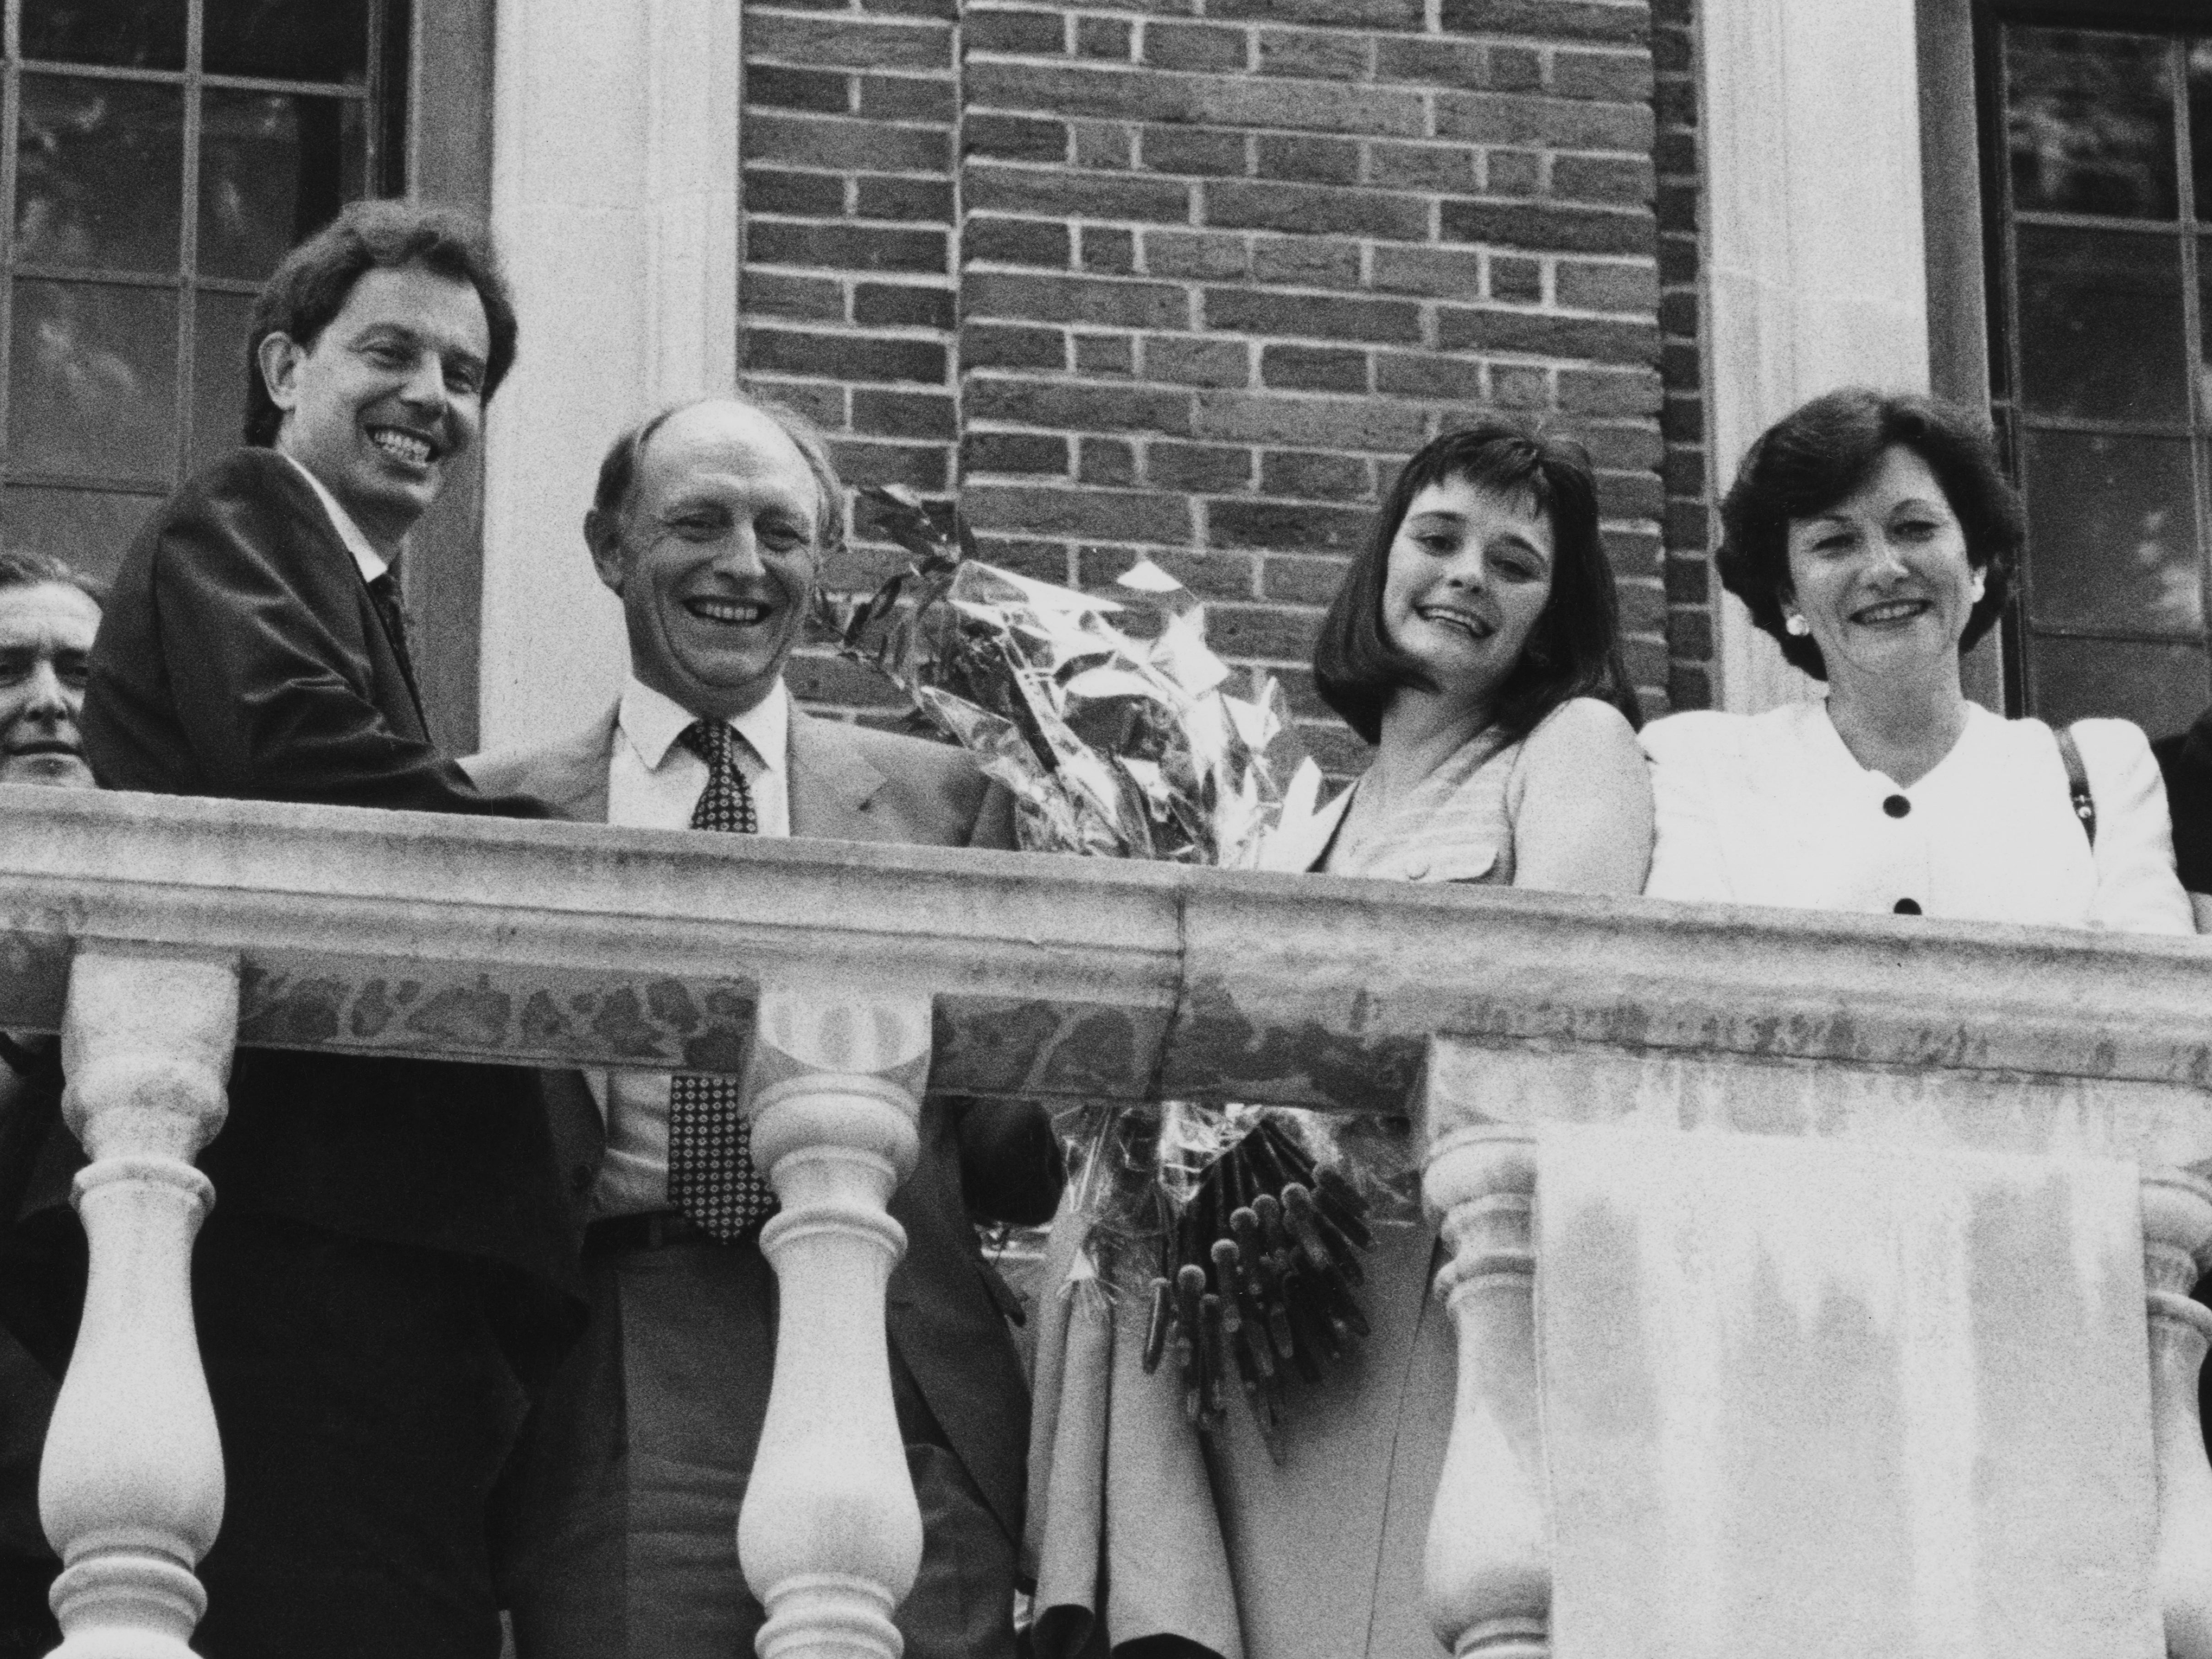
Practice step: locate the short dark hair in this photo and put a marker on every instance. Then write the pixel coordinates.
(1573, 650)
(1819, 453)
(317, 278)
(22, 568)
(618, 470)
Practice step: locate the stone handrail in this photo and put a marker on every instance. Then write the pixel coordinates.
(847, 979)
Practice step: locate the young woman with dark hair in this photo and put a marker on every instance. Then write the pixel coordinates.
(1475, 642)
(1873, 536)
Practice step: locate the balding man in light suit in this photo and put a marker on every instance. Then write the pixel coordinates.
(711, 522)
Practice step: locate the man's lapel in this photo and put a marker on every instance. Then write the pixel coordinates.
(831, 780)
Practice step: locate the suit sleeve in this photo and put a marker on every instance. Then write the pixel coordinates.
(272, 693)
(2137, 891)
(1012, 1167)
(2185, 762)
(1687, 862)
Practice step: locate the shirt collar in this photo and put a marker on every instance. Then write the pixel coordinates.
(651, 722)
(373, 563)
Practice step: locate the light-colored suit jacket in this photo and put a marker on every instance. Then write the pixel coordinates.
(848, 783)
(946, 1306)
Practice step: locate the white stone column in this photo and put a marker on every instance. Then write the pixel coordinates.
(615, 202)
(1489, 1570)
(130, 1488)
(830, 1535)
(1815, 259)
(2177, 1250)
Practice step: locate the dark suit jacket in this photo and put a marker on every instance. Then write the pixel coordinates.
(946, 1305)
(241, 656)
(2185, 761)
(30, 1115)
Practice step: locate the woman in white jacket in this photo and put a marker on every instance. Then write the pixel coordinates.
(1872, 536)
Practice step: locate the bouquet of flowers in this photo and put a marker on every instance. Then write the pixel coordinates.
(1119, 734)
(1112, 743)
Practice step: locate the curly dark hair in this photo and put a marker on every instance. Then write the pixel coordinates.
(1573, 650)
(1819, 453)
(317, 278)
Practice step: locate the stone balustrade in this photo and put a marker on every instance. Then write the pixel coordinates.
(2038, 1075)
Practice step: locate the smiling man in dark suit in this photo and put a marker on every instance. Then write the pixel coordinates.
(390, 1261)
(711, 522)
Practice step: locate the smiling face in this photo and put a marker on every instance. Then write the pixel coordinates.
(1470, 571)
(387, 396)
(1883, 578)
(714, 555)
(45, 637)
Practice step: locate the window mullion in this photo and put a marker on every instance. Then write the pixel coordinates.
(2010, 406)
(372, 127)
(188, 250)
(2192, 338)
(11, 109)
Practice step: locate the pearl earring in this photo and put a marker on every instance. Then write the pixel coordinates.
(1796, 625)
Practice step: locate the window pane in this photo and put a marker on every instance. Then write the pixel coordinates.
(273, 170)
(2114, 541)
(2161, 688)
(92, 381)
(2204, 322)
(2090, 124)
(289, 40)
(2100, 325)
(219, 374)
(90, 528)
(2200, 122)
(134, 33)
(101, 175)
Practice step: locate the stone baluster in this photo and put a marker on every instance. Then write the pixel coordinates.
(2177, 1249)
(830, 1535)
(1489, 1575)
(130, 1489)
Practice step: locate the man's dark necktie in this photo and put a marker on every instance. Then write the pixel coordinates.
(712, 1178)
(383, 594)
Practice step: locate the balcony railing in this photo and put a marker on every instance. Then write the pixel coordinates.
(1527, 1031)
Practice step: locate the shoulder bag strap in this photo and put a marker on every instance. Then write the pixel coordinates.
(2077, 782)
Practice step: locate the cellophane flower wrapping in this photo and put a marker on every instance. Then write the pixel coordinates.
(1122, 734)
(1118, 732)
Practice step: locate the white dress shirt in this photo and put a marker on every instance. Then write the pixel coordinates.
(1774, 809)
(373, 563)
(653, 782)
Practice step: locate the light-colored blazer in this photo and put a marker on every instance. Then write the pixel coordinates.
(848, 783)
(1773, 809)
(946, 1308)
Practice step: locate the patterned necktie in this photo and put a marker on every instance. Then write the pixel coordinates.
(383, 594)
(711, 1175)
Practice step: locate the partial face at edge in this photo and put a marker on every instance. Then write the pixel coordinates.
(388, 398)
(45, 640)
(1883, 578)
(714, 558)
(1470, 571)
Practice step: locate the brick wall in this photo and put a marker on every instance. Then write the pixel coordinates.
(1188, 278)
(847, 297)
